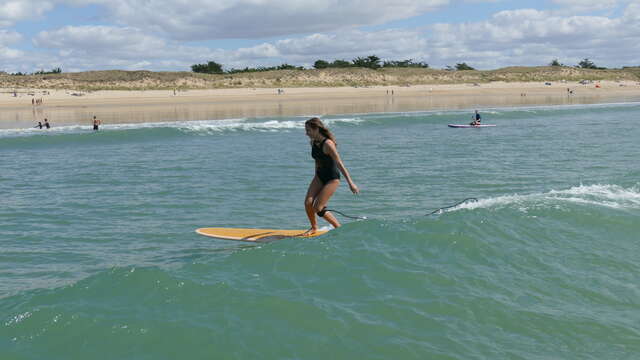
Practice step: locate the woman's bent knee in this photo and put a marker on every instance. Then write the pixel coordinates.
(318, 209)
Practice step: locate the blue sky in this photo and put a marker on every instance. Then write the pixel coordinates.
(170, 35)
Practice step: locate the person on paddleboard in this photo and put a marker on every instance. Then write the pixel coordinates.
(476, 119)
(327, 177)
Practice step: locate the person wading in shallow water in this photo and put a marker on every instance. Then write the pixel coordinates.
(96, 123)
(327, 178)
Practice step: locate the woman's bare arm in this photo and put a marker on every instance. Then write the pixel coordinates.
(330, 149)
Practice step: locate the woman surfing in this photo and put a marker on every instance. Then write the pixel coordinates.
(327, 178)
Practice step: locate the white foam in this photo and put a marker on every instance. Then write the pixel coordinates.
(36, 131)
(198, 126)
(612, 196)
(79, 129)
(211, 126)
(612, 192)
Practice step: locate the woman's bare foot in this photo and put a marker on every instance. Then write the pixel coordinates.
(309, 232)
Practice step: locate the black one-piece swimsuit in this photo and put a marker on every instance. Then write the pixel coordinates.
(326, 167)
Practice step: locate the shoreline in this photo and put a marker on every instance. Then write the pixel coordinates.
(114, 106)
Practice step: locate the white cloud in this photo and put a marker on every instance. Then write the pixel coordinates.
(533, 37)
(9, 54)
(258, 52)
(109, 47)
(8, 37)
(101, 41)
(517, 37)
(12, 11)
(587, 5)
(216, 19)
(386, 44)
(529, 26)
(104, 47)
(632, 12)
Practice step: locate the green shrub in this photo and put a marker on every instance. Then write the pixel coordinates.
(211, 67)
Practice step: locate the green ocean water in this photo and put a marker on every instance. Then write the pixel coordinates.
(99, 259)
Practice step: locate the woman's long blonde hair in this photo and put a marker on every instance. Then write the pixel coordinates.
(316, 123)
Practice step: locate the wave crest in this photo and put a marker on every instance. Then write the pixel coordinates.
(193, 127)
(606, 195)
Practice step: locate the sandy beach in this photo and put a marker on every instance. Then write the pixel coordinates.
(74, 107)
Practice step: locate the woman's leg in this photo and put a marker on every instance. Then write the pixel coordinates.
(322, 199)
(314, 188)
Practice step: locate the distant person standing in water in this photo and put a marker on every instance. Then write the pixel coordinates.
(96, 123)
(46, 124)
(327, 176)
(476, 119)
(39, 126)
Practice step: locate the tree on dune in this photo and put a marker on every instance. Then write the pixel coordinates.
(286, 66)
(555, 62)
(588, 64)
(341, 64)
(371, 62)
(409, 63)
(463, 66)
(57, 70)
(211, 67)
(321, 64)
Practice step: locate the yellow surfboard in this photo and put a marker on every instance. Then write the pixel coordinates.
(254, 235)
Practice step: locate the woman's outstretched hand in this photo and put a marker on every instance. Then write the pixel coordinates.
(354, 188)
